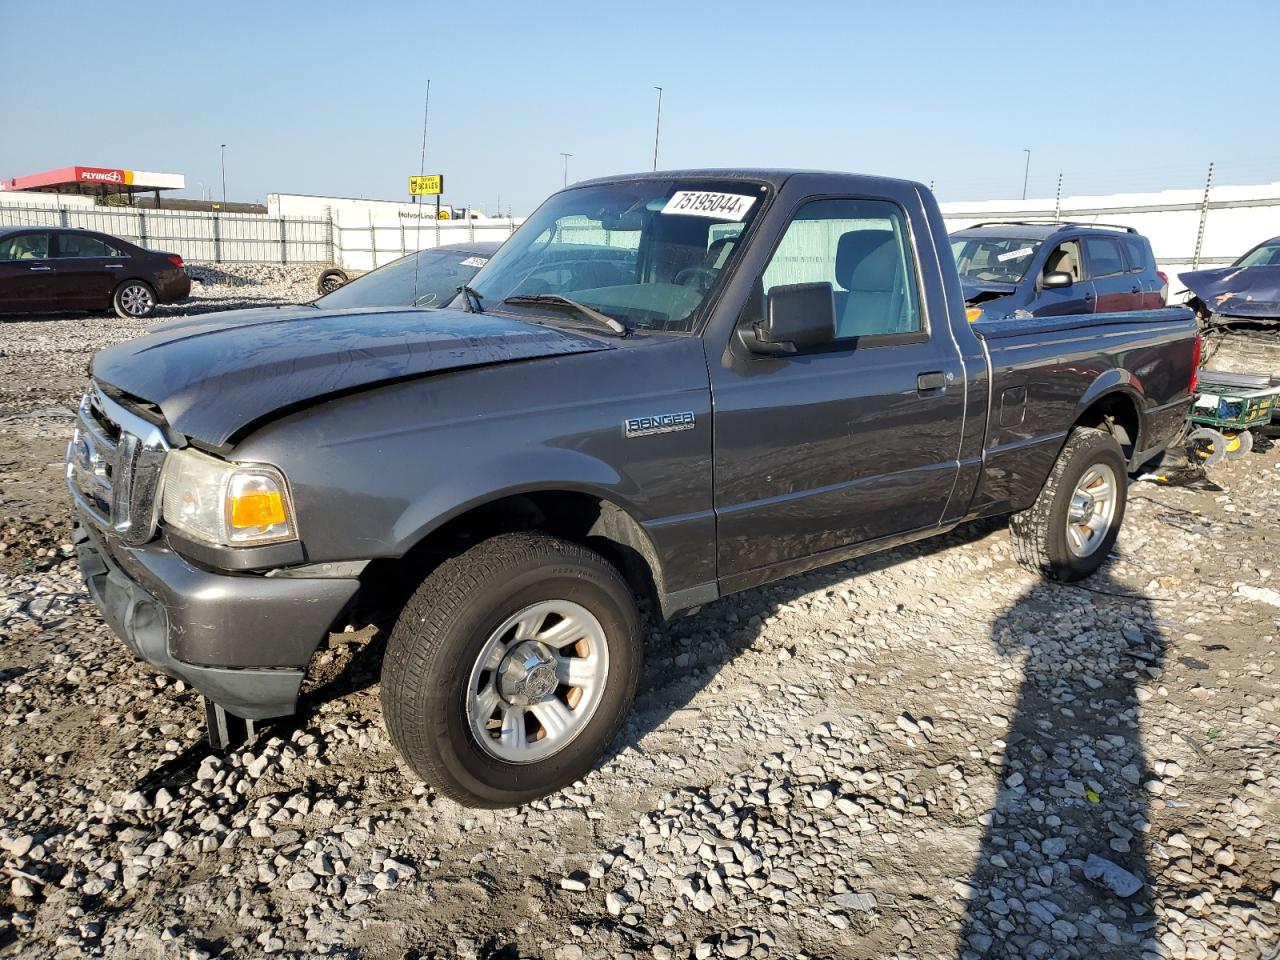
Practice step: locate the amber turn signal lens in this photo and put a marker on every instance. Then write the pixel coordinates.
(261, 508)
(973, 314)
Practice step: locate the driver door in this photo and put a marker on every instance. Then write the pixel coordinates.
(854, 441)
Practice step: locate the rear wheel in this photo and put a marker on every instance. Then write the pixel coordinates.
(511, 669)
(1070, 529)
(134, 300)
(331, 280)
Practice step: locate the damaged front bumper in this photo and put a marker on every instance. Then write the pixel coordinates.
(243, 641)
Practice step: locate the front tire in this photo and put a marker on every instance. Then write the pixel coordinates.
(134, 300)
(1069, 531)
(511, 669)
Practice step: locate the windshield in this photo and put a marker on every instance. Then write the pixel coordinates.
(646, 253)
(1267, 255)
(439, 273)
(994, 259)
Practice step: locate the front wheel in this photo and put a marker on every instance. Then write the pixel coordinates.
(1070, 529)
(134, 300)
(511, 669)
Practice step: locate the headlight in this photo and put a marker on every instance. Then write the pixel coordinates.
(226, 504)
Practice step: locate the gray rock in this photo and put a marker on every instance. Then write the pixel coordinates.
(1114, 877)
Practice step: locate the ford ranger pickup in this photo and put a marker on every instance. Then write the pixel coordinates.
(663, 389)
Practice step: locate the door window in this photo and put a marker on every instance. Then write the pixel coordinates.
(83, 245)
(1065, 259)
(860, 248)
(25, 246)
(1103, 256)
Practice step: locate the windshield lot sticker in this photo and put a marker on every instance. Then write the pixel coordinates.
(475, 261)
(703, 203)
(1016, 254)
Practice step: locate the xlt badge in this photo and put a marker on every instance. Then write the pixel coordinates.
(662, 423)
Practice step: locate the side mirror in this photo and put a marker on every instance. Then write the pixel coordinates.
(799, 316)
(1056, 279)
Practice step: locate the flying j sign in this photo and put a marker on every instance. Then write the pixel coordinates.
(107, 177)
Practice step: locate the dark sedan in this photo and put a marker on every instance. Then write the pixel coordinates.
(45, 269)
(430, 282)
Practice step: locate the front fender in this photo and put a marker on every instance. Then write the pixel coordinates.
(511, 473)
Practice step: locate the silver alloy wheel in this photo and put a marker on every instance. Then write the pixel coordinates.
(537, 681)
(136, 300)
(1092, 509)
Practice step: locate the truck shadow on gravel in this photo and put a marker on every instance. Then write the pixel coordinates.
(1063, 868)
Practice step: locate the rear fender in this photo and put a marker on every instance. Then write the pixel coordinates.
(1115, 383)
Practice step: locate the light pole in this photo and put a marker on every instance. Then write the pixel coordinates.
(1026, 171)
(566, 167)
(224, 176)
(657, 128)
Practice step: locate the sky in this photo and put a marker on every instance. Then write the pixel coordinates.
(327, 97)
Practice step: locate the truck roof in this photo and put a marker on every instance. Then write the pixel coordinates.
(774, 177)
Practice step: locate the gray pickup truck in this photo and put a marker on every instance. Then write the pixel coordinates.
(664, 388)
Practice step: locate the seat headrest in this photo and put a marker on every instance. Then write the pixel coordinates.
(867, 260)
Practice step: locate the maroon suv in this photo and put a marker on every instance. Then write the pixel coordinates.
(45, 269)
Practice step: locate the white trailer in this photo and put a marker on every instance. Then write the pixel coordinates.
(370, 233)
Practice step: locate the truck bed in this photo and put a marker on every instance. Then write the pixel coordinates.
(1036, 368)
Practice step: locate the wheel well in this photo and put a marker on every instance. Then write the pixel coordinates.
(1117, 414)
(579, 517)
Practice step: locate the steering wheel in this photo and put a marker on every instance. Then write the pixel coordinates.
(703, 277)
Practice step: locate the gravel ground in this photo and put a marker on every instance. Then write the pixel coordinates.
(42, 361)
(928, 753)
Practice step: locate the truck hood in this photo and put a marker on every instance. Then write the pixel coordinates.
(1237, 291)
(982, 291)
(213, 376)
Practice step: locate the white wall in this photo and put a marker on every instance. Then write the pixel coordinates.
(12, 197)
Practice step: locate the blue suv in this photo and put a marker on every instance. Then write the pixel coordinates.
(1024, 269)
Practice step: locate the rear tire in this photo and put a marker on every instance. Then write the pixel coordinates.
(1069, 531)
(134, 300)
(462, 666)
(331, 280)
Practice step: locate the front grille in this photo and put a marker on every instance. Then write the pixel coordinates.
(113, 468)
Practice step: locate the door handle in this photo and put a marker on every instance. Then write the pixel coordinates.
(39, 268)
(114, 266)
(1136, 290)
(934, 380)
(1090, 296)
